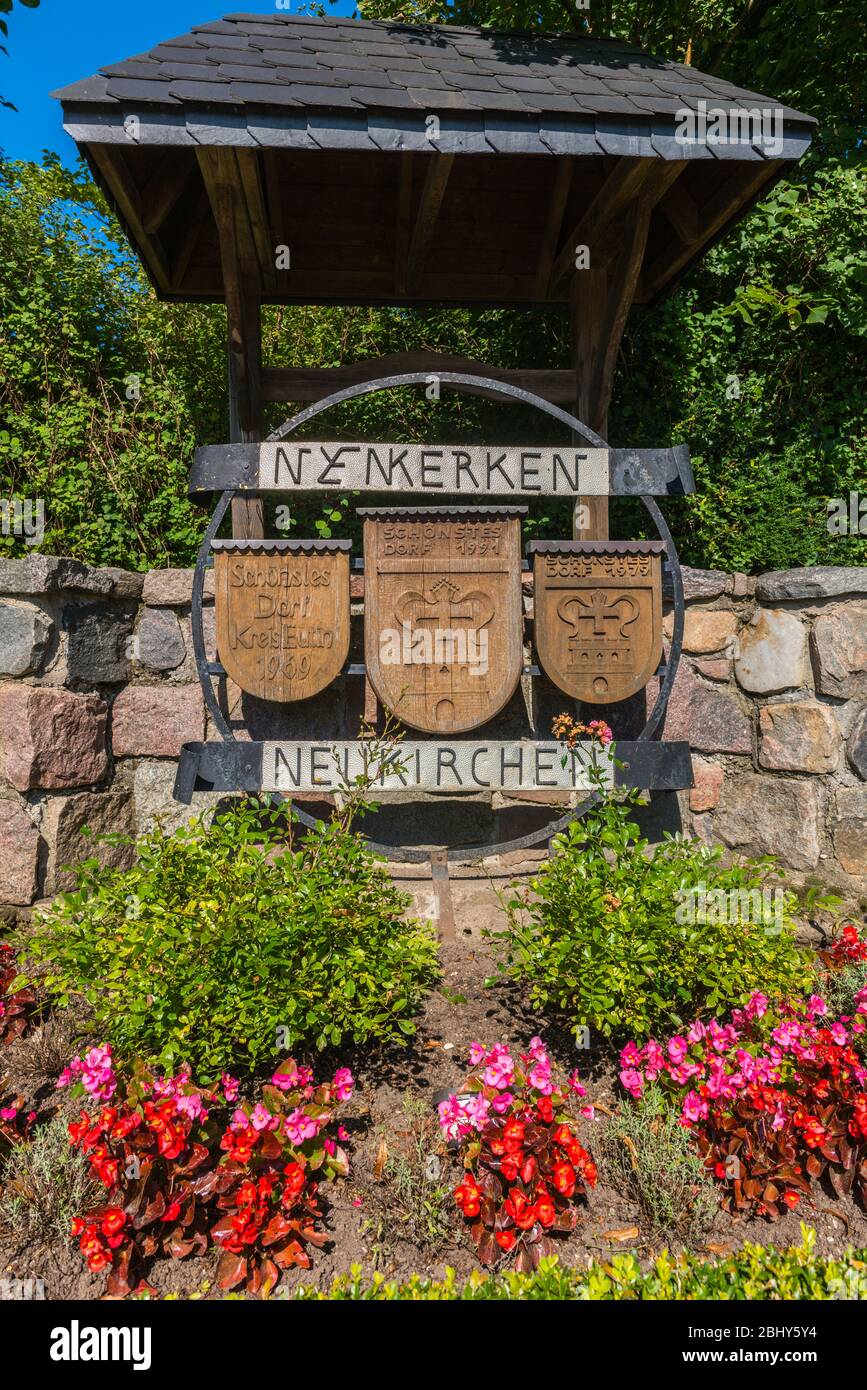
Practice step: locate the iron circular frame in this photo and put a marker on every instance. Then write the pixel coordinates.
(395, 853)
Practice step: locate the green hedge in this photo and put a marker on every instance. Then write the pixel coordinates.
(755, 1272)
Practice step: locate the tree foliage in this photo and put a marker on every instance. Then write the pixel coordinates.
(756, 360)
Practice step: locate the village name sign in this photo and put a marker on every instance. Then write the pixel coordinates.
(445, 646)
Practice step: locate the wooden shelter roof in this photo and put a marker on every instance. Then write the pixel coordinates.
(323, 126)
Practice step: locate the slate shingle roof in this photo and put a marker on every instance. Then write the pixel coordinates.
(288, 64)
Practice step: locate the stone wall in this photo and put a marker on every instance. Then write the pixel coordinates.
(98, 690)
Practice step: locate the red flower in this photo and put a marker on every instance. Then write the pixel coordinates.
(172, 1211)
(563, 1136)
(545, 1211)
(564, 1178)
(509, 1170)
(468, 1196)
(545, 1109)
(505, 1239)
(514, 1130)
(113, 1221)
(791, 1199)
(522, 1211)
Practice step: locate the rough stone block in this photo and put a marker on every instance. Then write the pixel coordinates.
(173, 588)
(154, 721)
(710, 720)
(63, 822)
(706, 630)
(25, 637)
(772, 815)
(839, 646)
(97, 650)
(52, 738)
(801, 736)
(819, 581)
(160, 644)
(153, 783)
(856, 745)
(19, 854)
(772, 653)
(709, 777)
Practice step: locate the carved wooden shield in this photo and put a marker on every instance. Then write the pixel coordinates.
(598, 615)
(443, 616)
(282, 611)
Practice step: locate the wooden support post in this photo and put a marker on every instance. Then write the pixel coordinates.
(600, 302)
(242, 280)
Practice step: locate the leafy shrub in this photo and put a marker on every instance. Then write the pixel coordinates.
(225, 944)
(45, 1184)
(177, 1180)
(754, 1272)
(597, 933)
(650, 1158)
(775, 1100)
(525, 1169)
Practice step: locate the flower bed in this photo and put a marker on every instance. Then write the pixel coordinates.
(178, 1180)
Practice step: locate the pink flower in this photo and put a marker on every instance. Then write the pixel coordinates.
(478, 1053)
(343, 1083)
(298, 1127)
(839, 1034)
(630, 1056)
(230, 1087)
(816, 1005)
(677, 1049)
(502, 1102)
(757, 1005)
(696, 1032)
(575, 1085)
(261, 1118)
(539, 1078)
(632, 1081)
(342, 1133)
(588, 1112)
(292, 1080)
(500, 1072)
(330, 1146)
(192, 1106)
(8, 1113)
(694, 1108)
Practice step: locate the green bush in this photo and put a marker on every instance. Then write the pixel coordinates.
(225, 945)
(596, 934)
(755, 1272)
(649, 1156)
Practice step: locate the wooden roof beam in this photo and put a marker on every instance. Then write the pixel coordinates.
(436, 179)
(629, 180)
(163, 189)
(315, 383)
(112, 166)
(554, 223)
(744, 185)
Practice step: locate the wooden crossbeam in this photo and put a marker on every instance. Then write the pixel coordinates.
(556, 385)
(436, 179)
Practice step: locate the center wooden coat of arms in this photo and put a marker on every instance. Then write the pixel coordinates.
(282, 613)
(598, 615)
(443, 615)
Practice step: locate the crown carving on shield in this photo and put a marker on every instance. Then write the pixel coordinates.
(609, 617)
(445, 590)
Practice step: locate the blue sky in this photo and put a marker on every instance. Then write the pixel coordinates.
(65, 40)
